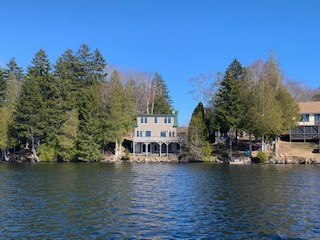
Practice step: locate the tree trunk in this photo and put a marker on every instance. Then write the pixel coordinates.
(3, 155)
(33, 149)
(250, 145)
(116, 149)
(276, 147)
(230, 145)
(236, 143)
(262, 143)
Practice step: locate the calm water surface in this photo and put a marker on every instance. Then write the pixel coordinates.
(103, 201)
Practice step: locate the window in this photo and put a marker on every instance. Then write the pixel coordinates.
(163, 133)
(167, 119)
(317, 118)
(305, 118)
(155, 119)
(144, 119)
(139, 133)
(148, 133)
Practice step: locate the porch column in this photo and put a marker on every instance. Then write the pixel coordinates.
(160, 146)
(167, 144)
(133, 148)
(147, 144)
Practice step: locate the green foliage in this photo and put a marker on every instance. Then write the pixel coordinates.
(3, 86)
(120, 109)
(90, 126)
(228, 107)
(197, 134)
(15, 70)
(67, 137)
(162, 100)
(47, 153)
(271, 108)
(262, 157)
(4, 124)
(126, 157)
(206, 151)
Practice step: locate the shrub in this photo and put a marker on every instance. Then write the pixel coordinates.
(46, 153)
(126, 157)
(206, 151)
(262, 157)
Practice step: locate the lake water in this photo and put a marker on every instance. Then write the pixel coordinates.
(103, 201)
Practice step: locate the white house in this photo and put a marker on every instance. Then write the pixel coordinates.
(156, 134)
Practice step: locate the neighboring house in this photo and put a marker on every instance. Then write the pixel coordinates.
(156, 134)
(309, 125)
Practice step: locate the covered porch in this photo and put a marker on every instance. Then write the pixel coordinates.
(155, 147)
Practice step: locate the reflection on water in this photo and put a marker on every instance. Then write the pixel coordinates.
(96, 200)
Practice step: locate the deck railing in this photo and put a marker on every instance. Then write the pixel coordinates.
(156, 139)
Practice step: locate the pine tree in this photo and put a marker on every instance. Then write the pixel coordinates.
(227, 102)
(3, 87)
(67, 137)
(120, 111)
(199, 147)
(161, 102)
(90, 66)
(30, 118)
(14, 69)
(89, 143)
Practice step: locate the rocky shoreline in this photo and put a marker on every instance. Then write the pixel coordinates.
(27, 156)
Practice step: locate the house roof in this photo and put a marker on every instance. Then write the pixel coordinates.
(175, 124)
(309, 107)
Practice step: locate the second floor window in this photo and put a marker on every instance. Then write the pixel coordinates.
(144, 119)
(148, 133)
(305, 118)
(155, 119)
(167, 119)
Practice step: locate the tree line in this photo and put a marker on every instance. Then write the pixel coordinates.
(254, 99)
(72, 110)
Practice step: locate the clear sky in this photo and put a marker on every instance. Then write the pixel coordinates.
(177, 38)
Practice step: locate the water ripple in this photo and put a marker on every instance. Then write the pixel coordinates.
(99, 201)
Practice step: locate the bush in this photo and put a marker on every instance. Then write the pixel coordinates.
(46, 153)
(206, 151)
(262, 157)
(126, 157)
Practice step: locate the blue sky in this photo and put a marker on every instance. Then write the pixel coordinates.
(177, 38)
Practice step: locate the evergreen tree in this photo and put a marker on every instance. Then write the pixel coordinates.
(161, 102)
(90, 126)
(4, 125)
(199, 147)
(30, 117)
(120, 111)
(227, 102)
(67, 137)
(14, 78)
(14, 69)
(90, 66)
(3, 87)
